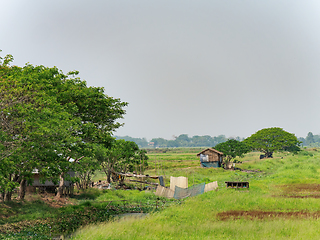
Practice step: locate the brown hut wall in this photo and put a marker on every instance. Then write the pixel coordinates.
(37, 182)
(213, 157)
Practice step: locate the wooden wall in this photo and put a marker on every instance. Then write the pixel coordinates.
(213, 157)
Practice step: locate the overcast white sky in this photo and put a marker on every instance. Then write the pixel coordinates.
(185, 67)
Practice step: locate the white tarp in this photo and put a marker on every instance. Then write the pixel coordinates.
(164, 192)
(204, 158)
(181, 182)
(211, 186)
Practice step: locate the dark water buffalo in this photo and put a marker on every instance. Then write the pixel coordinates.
(267, 155)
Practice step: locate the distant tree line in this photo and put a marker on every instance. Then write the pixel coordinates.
(204, 141)
(181, 141)
(141, 142)
(310, 140)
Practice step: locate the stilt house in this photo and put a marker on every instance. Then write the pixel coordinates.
(48, 185)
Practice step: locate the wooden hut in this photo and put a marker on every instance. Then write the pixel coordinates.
(210, 158)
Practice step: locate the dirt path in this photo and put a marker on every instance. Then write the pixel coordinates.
(255, 214)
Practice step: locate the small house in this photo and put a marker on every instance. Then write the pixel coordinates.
(210, 158)
(48, 185)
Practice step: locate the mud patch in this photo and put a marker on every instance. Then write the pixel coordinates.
(298, 191)
(260, 215)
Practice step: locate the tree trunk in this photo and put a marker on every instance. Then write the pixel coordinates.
(22, 191)
(226, 162)
(109, 176)
(61, 186)
(7, 196)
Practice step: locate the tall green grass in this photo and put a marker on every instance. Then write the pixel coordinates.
(149, 228)
(164, 161)
(11, 212)
(197, 217)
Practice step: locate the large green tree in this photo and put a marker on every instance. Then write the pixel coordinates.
(85, 171)
(232, 148)
(121, 157)
(35, 129)
(47, 119)
(269, 140)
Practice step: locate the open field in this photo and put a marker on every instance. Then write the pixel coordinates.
(283, 202)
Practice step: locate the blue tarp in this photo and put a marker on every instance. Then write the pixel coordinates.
(210, 164)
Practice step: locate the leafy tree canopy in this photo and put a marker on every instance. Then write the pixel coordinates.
(269, 140)
(122, 156)
(232, 148)
(47, 118)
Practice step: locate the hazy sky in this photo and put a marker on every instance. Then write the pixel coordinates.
(185, 67)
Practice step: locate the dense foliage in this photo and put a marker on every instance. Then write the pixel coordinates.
(269, 140)
(48, 119)
(232, 149)
(67, 219)
(122, 156)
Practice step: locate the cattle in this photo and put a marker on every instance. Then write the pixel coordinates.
(267, 155)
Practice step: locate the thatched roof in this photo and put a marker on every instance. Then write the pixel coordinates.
(210, 149)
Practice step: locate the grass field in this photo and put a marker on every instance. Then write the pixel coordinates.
(283, 202)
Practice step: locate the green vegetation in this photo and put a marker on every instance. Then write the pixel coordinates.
(282, 202)
(37, 220)
(173, 161)
(122, 156)
(141, 142)
(232, 149)
(183, 140)
(310, 140)
(269, 140)
(54, 123)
